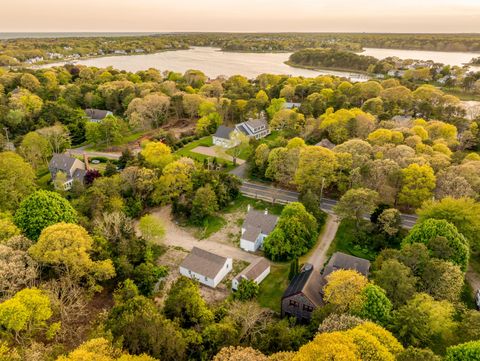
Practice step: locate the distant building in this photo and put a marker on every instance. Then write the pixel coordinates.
(206, 267)
(255, 228)
(325, 143)
(256, 272)
(303, 294)
(73, 168)
(288, 105)
(97, 115)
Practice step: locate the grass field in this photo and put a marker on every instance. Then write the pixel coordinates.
(186, 151)
(243, 202)
(273, 287)
(345, 242)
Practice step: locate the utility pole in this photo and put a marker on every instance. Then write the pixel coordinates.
(321, 191)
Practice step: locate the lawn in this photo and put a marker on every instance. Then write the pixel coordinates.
(245, 151)
(242, 202)
(186, 151)
(128, 138)
(210, 226)
(345, 242)
(272, 288)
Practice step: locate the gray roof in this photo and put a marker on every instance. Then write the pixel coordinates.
(326, 144)
(251, 233)
(223, 132)
(242, 128)
(97, 114)
(256, 123)
(61, 162)
(309, 283)
(341, 260)
(258, 219)
(254, 270)
(203, 262)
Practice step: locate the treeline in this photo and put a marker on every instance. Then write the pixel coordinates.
(331, 58)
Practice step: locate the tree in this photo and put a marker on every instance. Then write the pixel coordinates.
(110, 169)
(417, 354)
(17, 180)
(149, 112)
(430, 229)
(422, 321)
(295, 233)
(8, 229)
(375, 305)
(25, 313)
(247, 290)
(42, 209)
(238, 353)
(288, 121)
(442, 280)
(469, 351)
(57, 137)
(175, 180)
(418, 184)
(344, 289)
(147, 275)
(339, 322)
(356, 204)
(390, 221)
(35, 148)
(463, 213)
(100, 349)
(66, 248)
(185, 305)
(151, 227)
(204, 203)
(316, 167)
(294, 269)
(157, 154)
(397, 280)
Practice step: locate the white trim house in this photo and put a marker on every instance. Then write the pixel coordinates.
(252, 128)
(205, 267)
(73, 168)
(256, 271)
(255, 228)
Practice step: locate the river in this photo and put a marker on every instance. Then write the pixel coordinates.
(214, 62)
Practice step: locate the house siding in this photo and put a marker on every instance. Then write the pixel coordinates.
(296, 306)
(210, 282)
(257, 280)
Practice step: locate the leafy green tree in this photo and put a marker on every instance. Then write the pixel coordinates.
(442, 280)
(204, 203)
(275, 106)
(247, 290)
(36, 149)
(295, 233)
(469, 351)
(17, 180)
(356, 204)
(66, 248)
(430, 229)
(375, 306)
(42, 209)
(417, 354)
(146, 276)
(463, 213)
(418, 185)
(185, 304)
(397, 280)
(8, 229)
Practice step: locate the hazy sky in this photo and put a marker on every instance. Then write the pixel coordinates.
(241, 15)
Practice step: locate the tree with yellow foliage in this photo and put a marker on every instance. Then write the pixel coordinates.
(344, 289)
(157, 154)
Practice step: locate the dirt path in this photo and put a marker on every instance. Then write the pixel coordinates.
(176, 236)
(210, 151)
(319, 256)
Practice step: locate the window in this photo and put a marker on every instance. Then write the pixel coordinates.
(206, 278)
(307, 308)
(293, 303)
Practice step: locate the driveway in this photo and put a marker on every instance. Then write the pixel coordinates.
(319, 255)
(92, 154)
(178, 237)
(210, 151)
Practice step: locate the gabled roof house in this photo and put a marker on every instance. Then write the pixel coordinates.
(252, 128)
(255, 228)
(73, 168)
(256, 272)
(206, 267)
(97, 115)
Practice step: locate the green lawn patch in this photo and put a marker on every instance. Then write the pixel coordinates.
(241, 202)
(186, 151)
(272, 288)
(245, 151)
(345, 242)
(210, 226)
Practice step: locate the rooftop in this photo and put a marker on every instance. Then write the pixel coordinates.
(254, 270)
(223, 132)
(62, 162)
(308, 282)
(266, 222)
(203, 262)
(97, 113)
(256, 123)
(341, 260)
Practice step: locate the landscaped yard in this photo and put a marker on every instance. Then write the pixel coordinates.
(273, 287)
(345, 242)
(186, 151)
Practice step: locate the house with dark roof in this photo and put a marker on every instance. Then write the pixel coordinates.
(256, 272)
(254, 128)
(206, 267)
(255, 228)
(222, 137)
(73, 168)
(325, 143)
(303, 294)
(97, 115)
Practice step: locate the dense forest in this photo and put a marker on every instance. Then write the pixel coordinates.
(13, 51)
(80, 269)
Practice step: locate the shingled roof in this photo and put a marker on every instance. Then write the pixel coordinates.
(97, 114)
(203, 262)
(308, 282)
(223, 132)
(254, 270)
(266, 222)
(341, 260)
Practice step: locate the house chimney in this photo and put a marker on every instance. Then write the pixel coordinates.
(85, 160)
(266, 211)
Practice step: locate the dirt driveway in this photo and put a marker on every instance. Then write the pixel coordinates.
(319, 255)
(210, 151)
(176, 236)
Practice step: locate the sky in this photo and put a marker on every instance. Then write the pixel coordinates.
(240, 15)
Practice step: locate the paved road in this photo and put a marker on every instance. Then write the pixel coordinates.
(319, 255)
(283, 196)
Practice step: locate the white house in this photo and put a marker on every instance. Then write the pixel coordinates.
(290, 105)
(222, 137)
(256, 271)
(255, 128)
(255, 228)
(97, 115)
(73, 168)
(206, 267)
